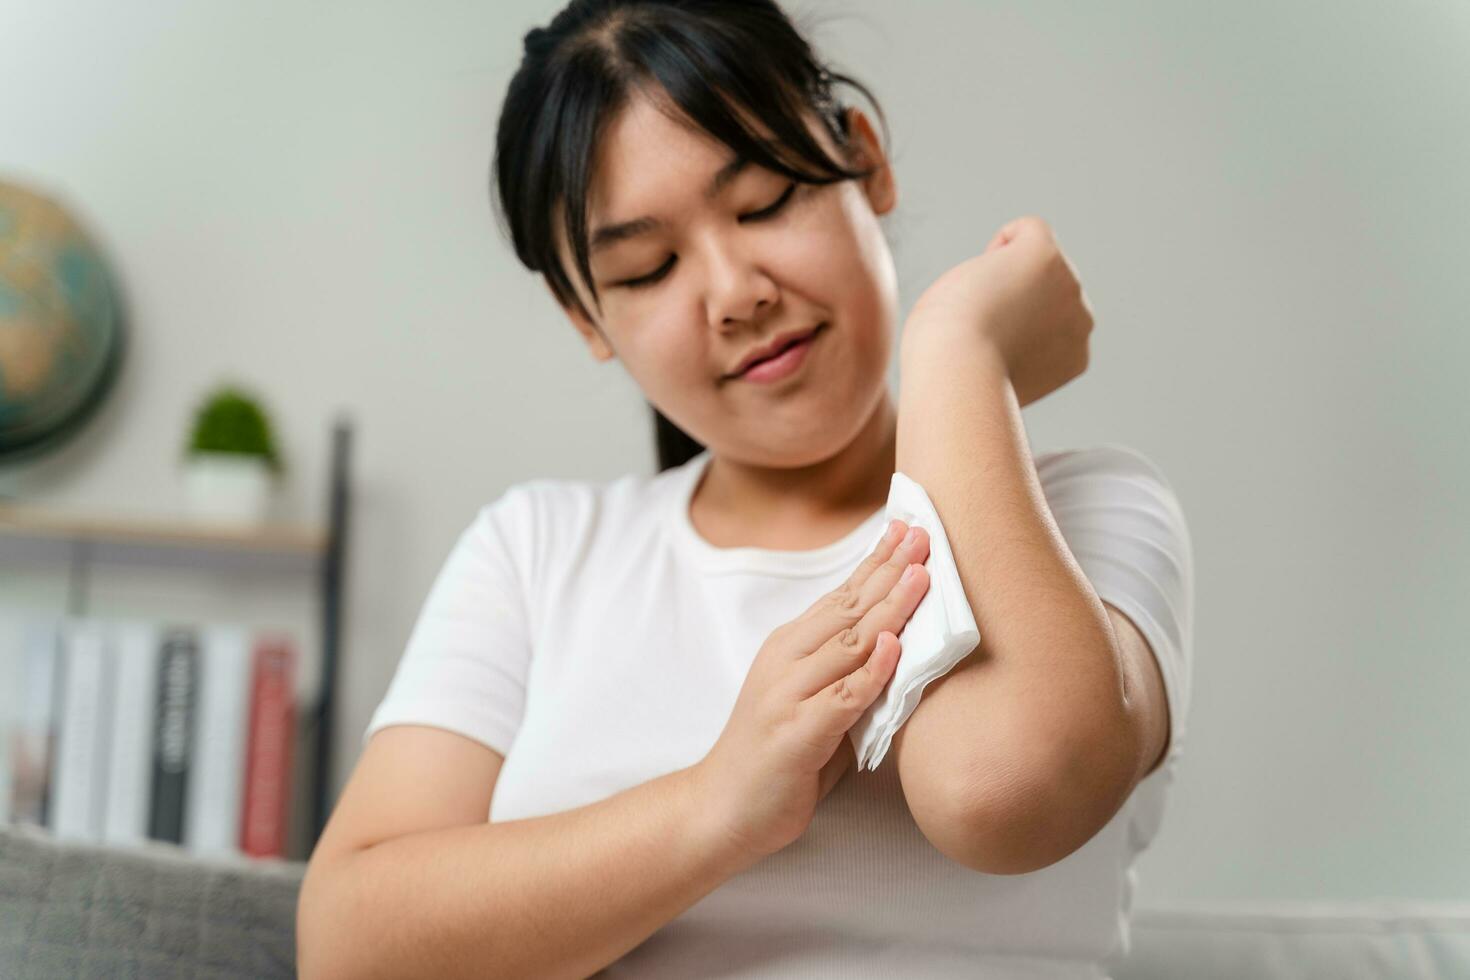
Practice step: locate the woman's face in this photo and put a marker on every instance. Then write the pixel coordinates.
(725, 275)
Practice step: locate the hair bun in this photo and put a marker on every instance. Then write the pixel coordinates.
(534, 38)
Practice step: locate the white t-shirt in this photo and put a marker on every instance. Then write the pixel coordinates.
(590, 635)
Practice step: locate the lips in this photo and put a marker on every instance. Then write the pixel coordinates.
(776, 349)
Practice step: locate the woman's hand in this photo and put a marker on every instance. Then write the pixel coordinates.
(1020, 297)
(780, 753)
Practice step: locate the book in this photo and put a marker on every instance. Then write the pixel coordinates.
(78, 770)
(217, 764)
(135, 651)
(33, 739)
(173, 732)
(269, 747)
(125, 730)
(12, 665)
(27, 648)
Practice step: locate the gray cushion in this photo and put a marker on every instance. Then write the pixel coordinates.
(70, 909)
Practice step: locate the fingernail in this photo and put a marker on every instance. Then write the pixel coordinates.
(909, 573)
(912, 537)
(893, 527)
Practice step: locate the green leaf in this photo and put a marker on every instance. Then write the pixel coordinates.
(230, 420)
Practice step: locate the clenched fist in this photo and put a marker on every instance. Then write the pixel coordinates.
(1021, 297)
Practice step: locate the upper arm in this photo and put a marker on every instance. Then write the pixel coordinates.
(1125, 526)
(1144, 686)
(409, 778)
(428, 759)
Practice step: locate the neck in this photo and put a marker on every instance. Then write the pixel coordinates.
(799, 508)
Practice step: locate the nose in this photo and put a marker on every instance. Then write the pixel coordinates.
(740, 291)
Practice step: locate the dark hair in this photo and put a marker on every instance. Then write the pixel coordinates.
(579, 71)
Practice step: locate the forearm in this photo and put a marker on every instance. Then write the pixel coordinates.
(561, 895)
(1013, 723)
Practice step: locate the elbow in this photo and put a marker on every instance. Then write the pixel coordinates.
(1014, 838)
(1031, 816)
(999, 829)
(1013, 832)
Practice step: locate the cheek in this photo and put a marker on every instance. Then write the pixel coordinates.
(665, 356)
(828, 249)
(845, 265)
(867, 263)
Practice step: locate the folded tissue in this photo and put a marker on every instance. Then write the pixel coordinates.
(939, 634)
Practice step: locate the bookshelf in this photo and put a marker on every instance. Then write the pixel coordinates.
(80, 540)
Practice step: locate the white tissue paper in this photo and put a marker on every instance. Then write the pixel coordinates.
(939, 634)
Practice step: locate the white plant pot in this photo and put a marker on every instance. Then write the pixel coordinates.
(228, 488)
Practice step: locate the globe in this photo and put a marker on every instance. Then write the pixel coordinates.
(61, 329)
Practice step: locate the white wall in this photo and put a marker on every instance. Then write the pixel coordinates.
(1267, 203)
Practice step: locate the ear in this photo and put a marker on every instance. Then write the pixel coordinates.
(881, 187)
(591, 332)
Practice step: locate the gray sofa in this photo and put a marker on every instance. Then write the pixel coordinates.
(155, 912)
(82, 910)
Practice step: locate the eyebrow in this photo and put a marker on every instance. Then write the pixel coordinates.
(609, 235)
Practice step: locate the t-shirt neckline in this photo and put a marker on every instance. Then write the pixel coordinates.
(844, 552)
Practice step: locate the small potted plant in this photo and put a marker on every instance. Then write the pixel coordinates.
(231, 466)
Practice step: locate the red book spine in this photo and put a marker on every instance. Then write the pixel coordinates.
(268, 756)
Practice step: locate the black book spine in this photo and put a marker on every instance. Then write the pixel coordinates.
(173, 732)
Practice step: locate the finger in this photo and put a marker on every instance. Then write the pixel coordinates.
(845, 604)
(882, 551)
(836, 708)
(845, 610)
(851, 648)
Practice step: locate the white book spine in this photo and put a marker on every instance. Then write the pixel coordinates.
(79, 772)
(217, 767)
(130, 761)
(12, 680)
(32, 743)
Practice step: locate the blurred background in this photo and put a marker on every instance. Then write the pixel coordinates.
(1267, 203)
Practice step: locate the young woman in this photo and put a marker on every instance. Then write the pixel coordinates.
(648, 685)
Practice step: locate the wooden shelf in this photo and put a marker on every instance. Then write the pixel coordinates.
(62, 527)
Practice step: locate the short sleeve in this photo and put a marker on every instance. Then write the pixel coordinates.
(1124, 524)
(465, 666)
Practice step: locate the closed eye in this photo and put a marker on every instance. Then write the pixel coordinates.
(763, 214)
(771, 211)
